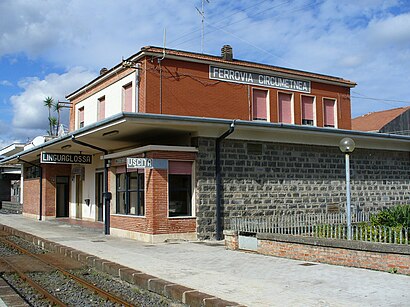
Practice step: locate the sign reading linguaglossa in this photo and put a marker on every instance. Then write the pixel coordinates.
(239, 76)
(64, 158)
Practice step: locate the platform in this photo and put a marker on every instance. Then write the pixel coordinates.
(246, 278)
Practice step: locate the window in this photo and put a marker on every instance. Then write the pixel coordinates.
(131, 193)
(81, 117)
(32, 172)
(127, 97)
(180, 188)
(285, 108)
(101, 108)
(254, 149)
(329, 112)
(260, 102)
(308, 117)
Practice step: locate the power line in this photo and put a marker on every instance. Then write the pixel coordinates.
(381, 99)
(304, 7)
(249, 43)
(386, 101)
(195, 31)
(238, 21)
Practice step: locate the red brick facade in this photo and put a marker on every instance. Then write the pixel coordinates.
(31, 198)
(389, 262)
(156, 220)
(381, 257)
(183, 87)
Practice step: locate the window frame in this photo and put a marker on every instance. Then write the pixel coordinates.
(81, 110)
(314, 110)
(127, 190)
(267, 104)
(292, 107)
(99, 103)
(129, 84)
(192, 191)
(31, 172)
(335, 115)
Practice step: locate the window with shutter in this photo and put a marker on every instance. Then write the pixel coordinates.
(285, 108)
(260, 102)
(308, 115)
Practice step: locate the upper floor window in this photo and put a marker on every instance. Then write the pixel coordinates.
(127, 97)
(81, 117)
(101, 108)
(329, 112)
(285, 108)
(260, 103)
(308, 111)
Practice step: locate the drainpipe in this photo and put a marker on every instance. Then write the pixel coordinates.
(41, 184)
(219, 181)
(107, 195)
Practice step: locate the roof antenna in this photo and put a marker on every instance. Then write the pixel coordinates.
(202, 13)
(165, 41)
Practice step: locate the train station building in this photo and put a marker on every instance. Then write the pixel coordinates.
(171, 144)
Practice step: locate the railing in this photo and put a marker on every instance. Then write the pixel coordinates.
(330, 226)
(362, 232)
(293, 223)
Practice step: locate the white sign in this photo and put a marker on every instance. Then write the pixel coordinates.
(63, 158)
(135, 163)
(240, 76)
(139, 163)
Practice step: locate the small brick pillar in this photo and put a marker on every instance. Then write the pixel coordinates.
(231, 239)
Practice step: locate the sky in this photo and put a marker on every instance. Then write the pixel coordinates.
(53, 47)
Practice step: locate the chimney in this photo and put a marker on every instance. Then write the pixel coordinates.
(226, 53)
(103, 70)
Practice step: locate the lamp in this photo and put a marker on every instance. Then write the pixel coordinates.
(347, 145)
(111, 133)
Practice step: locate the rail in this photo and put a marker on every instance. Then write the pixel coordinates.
(83, 282)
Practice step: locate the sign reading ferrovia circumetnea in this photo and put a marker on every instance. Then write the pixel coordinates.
(65, 158)
(246, 77)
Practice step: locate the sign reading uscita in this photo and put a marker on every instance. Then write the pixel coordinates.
(135, 163)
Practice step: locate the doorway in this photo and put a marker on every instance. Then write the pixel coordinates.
(99, 190)
(62, 196)
(78, 196)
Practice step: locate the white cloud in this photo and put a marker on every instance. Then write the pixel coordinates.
(392, 30)
(5, 83)
(366, 41)
(91, 34)
(29, 113)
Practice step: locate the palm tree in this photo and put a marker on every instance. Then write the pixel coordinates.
(57, 107)
(49, 102)
(53, 124)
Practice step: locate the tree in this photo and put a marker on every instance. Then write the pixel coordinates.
(53, 124)
(57, 107)
(49, 102)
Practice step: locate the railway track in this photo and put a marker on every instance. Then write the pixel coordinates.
(60, 281)
(45, 292)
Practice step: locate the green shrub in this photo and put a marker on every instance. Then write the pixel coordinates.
(380, 233)
(392, 217)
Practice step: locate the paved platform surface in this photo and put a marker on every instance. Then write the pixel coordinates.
(246, 278)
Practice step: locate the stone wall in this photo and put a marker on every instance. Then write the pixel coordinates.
(266, 178)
